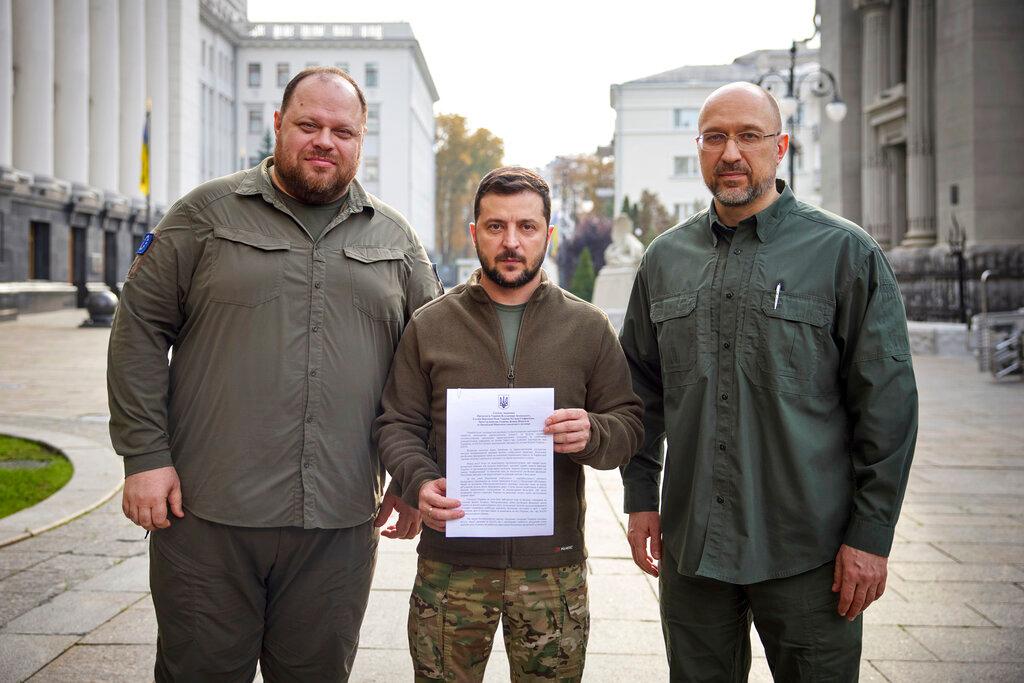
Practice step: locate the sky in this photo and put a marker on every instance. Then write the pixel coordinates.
(537, 74)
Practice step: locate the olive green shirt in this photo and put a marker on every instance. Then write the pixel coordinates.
(790, 422)
(313, 217)
(510, 317)
(281, 347)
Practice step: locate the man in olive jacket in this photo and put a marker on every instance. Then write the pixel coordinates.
(768, 341)
(507, 326)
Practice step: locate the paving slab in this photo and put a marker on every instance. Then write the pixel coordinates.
(134, 626)
(13, 605)
(107, 663)
(130, 575)
(994, 553)
(952, 571)
(898, 613)
(615, 636)
(957, 592)
(971, 644)
(74, 612)
(910, 551)
(15, 561)
(950, 672)
(893, 642)
(1002, 614)
(23, 655)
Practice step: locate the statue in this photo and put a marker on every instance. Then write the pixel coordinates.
(626, 250)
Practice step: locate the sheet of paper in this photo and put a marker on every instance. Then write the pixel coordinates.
(500, 462)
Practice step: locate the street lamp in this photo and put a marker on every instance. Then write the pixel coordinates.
(824, 84)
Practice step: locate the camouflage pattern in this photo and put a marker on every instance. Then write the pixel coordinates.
(454, 611)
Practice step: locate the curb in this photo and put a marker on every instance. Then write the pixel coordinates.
(98, 476)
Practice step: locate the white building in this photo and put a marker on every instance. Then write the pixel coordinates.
(656, 127)
(75, 76)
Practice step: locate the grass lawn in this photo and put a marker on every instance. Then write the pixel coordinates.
(20, 488)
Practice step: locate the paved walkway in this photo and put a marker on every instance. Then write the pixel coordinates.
(74, 602)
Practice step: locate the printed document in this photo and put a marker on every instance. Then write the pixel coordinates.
(500, 462)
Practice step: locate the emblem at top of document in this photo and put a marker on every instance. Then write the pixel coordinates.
(503, 400)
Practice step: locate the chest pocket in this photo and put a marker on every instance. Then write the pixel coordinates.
(378, 281)
(676, 319)
(248, 267)
(792, 335)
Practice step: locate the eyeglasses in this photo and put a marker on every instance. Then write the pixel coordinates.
(747, 141)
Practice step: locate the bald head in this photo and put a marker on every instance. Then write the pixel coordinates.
(745, 100)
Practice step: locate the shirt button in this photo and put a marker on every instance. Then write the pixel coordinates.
(316, 328)
(721, 446)
(720, 500)
(306, 465)
(728, 295)
(737, 251)
(727, 345)
(309, 419)
(312, 373)
(725, 397)
(316, 284)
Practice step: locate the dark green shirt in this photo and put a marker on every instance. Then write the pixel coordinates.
(313, 217)
(510, 318)
(777, 366)
(281, 350)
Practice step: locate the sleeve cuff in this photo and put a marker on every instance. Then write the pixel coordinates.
(133, 464)
(639, 499)
(869, 537)
(411, 494)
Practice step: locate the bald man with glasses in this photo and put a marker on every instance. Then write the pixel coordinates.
(768, 341)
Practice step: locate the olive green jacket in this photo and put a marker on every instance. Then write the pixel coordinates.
(456, 342)
(778, 368)
(281, 346)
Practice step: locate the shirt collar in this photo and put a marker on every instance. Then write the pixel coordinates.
(477, 291)
(766, 220)
(257, 181)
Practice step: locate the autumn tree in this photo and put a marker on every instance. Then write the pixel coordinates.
(462, 158)
(590, 177)
(651, 217)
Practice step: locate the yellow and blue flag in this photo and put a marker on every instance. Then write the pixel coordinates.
(144, 175)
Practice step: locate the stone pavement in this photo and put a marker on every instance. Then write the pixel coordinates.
(74, 602)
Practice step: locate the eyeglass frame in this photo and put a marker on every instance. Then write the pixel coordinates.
(752, 146)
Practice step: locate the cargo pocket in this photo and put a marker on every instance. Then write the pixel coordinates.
(572, 648)
(792, 334)
(378, 277)
(248, 267)
(426, 622)
(676, 319)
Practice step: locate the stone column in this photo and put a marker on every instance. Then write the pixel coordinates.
(132, 44)
(6, 82)
(896, 195)
(32, 148)
(104, 95)
(71, 91)
(157, 91)
(920, 125)
(874, 79)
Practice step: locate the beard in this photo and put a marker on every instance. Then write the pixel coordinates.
(496, 276)
(739, 196)
(308, 185)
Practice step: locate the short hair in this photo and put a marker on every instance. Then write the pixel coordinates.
(509, 180)
(323, 72)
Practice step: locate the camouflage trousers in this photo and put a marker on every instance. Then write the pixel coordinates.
(454, 611)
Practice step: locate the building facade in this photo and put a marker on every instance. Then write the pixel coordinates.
(929, 154)
(75, 77)
(656, 127)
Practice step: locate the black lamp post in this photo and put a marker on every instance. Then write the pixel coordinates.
(824, 84)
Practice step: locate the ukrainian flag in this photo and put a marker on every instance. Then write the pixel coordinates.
(144, 175)
(553, 244)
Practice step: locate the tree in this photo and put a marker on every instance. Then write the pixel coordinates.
(582, 284)
(266, 146)
(462, 159)
(590, 178)
(651, 217)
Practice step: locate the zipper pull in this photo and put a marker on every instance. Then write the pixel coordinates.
(511, 375)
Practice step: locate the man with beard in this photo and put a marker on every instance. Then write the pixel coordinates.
(507, 326)
(282, 291)
(768, 341)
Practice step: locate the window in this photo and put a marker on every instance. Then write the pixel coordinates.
(373, 118)
(342, 65)
(282, 74)
(371, 169)
(372, 75)
(255, 75)
(685, 166)
(685, 119)
(256, 120)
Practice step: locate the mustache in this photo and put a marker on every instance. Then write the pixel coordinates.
(510, 256)
(735, 167)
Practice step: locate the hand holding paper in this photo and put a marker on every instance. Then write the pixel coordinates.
(435, 508)
(571, 429)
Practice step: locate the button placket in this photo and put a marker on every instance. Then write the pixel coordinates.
(310, 446)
